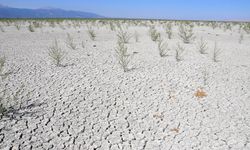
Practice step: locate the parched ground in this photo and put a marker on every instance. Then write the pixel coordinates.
(92, 104)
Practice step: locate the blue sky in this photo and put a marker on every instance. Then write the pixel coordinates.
(162, 9)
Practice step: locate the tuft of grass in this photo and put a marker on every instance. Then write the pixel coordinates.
(2, 63)
(56, 54)
(123, 57)
(123, 36)
(112, 27)
(2, 29)
(154, 34)
(10, 106)
(163, 48)
(31, 28)
(70, 42)
(179, 52)
(17, 24)
(246, 28)
(3, 89)
(169, 30)
(202, 46)
(186, 33)
(91, 33)
(216, 53)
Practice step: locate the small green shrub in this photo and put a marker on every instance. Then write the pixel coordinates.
(123, 57)
(179, 52)
(202, 46)
(56, 54)
(31, 28)
(91, 33)
(154, 34)
(216, 54)
(123, 36)
(186, 33)
(169, 30)
(70, 42)
(163, 48)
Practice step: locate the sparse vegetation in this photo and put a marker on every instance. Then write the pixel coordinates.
(186, 33)
(31, 28)
(246, 28)
(123, 36)
(202, 46)
(2, 63)
(7, 103)
(17, 24)
(154, 34)
(56, 54)
(2, 107)
(70, 42)
(123, 57)
(216, 53)
(179, 52)
(1, 28)
(91, 33)
(163, 48)
(10, 104)
(169, 30)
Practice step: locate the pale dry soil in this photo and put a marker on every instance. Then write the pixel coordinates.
(92, 104)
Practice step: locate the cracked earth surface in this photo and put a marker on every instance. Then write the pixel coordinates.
(92, 104)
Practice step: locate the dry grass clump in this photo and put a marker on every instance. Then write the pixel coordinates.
(123, 57)
(154, 34)
(123, 36)
(7, 103)
(91, 33)
(200, 93)
(169, 30)
(31, 28)
(216, 54)
(2, 108)
(56, 54)
(2, 63)
(186, 33)
(163, 48)
(70, 42)
(10, 102)
(176, 130)
(1, 28)
(246, 28)
(112, 26)
(202, 46)
(17, 24)
(179, 52)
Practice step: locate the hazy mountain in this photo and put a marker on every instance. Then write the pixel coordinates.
(8, 12)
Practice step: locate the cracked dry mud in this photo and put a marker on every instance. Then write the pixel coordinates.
(92, 104)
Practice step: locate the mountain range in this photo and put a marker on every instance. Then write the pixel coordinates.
(9, 12)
